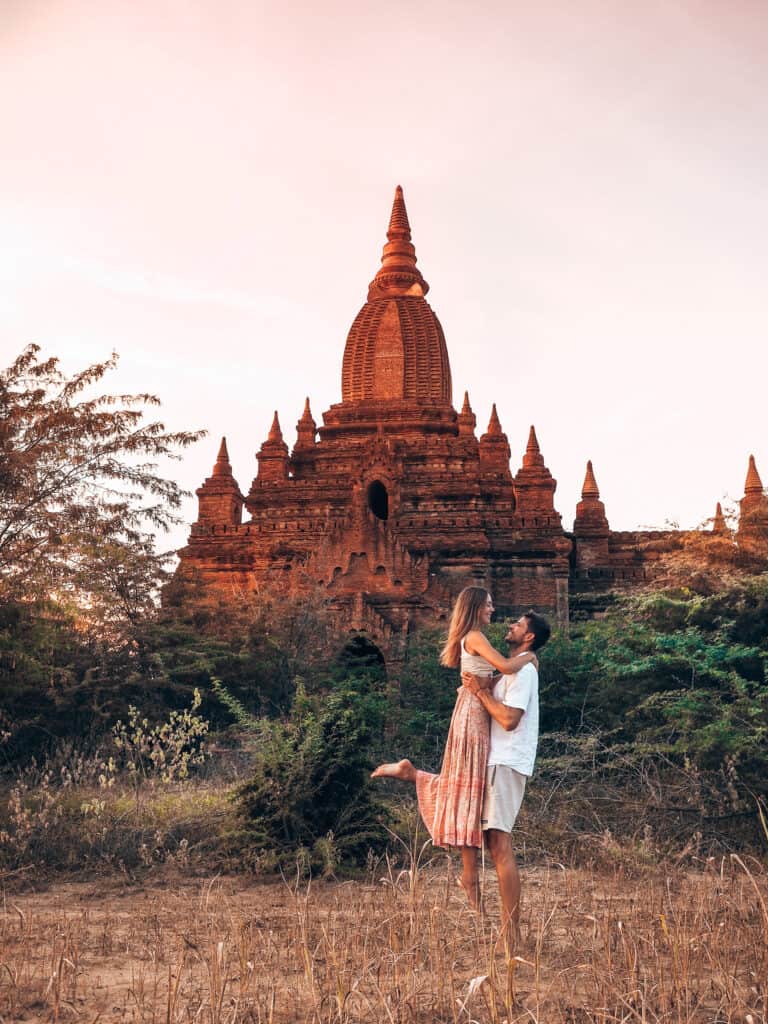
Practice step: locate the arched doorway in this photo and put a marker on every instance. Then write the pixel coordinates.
(361, 655)
(378, 500)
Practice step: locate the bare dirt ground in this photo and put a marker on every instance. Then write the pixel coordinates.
(397, 948)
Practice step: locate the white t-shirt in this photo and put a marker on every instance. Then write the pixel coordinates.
(517, 748)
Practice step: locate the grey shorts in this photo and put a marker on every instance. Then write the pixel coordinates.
(504, 790)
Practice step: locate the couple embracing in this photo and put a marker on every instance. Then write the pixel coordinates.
(480, 788)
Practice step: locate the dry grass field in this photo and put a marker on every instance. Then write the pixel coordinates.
(397, 947)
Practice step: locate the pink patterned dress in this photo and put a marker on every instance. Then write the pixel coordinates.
(450, 803)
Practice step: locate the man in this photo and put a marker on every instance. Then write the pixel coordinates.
(513, 704)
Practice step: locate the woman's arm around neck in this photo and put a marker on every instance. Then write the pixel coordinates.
(476, 642)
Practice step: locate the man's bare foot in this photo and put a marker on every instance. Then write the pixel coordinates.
(471, 887)
(397, 770)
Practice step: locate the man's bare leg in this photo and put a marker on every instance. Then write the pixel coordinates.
(500, 845)
(469, 880)
(397, 770)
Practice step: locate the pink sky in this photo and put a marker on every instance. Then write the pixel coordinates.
(205, 188)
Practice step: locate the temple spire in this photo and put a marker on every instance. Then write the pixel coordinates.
(306, 428)
(534, 484)
(398, 220)
(275, 433)
(590, 488)
(306, 416)
(753, 483)
(222, 466)
(494, 449)
(398, 274)
(753, 511)
(219, 499)
(533, 456)
(494, 426)
(590, 527)
(466, 418)
(273, 456)
(719, 524)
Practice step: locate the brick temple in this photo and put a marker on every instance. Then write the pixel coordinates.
(395, 503)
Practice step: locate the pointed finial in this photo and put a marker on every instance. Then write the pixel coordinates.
(533, 456)
(275, 433)
(467, 421)
(719, 524)
(222, 466)
(273, 455)
(398, 220)
(753, 483)
(590, 527)
(494, 426)
(590, 488)
(398, 274)
(306, 429)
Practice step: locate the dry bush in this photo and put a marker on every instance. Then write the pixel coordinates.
(611, 806)
(51, 824)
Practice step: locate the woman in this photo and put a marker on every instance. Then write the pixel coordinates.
(450, 803)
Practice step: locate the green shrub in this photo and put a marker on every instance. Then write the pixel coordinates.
(309, 786)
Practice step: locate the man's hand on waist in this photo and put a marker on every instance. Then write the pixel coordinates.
(476, 683)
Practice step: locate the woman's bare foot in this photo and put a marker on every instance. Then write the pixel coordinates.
(471, 887)
(397, 770)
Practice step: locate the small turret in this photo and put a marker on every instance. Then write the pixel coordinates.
(753, 485)
(533, 456)
(466, 419)
(273, 456)
(753, 511)
(719, 525)
(534, 484)
(494, 449)
(306, 429)
(590, 528)
(219, 498)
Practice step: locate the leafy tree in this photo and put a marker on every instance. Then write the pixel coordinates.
(80, 491)
(81, 497)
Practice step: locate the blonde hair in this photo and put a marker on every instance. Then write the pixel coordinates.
(464, 618)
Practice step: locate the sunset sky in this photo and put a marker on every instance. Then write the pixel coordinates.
(204, 187)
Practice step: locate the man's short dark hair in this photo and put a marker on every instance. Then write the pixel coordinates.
(540, 628)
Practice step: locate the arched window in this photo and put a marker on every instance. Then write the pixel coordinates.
(378, 500)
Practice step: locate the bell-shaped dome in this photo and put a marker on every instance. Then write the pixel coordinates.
(396, 348)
